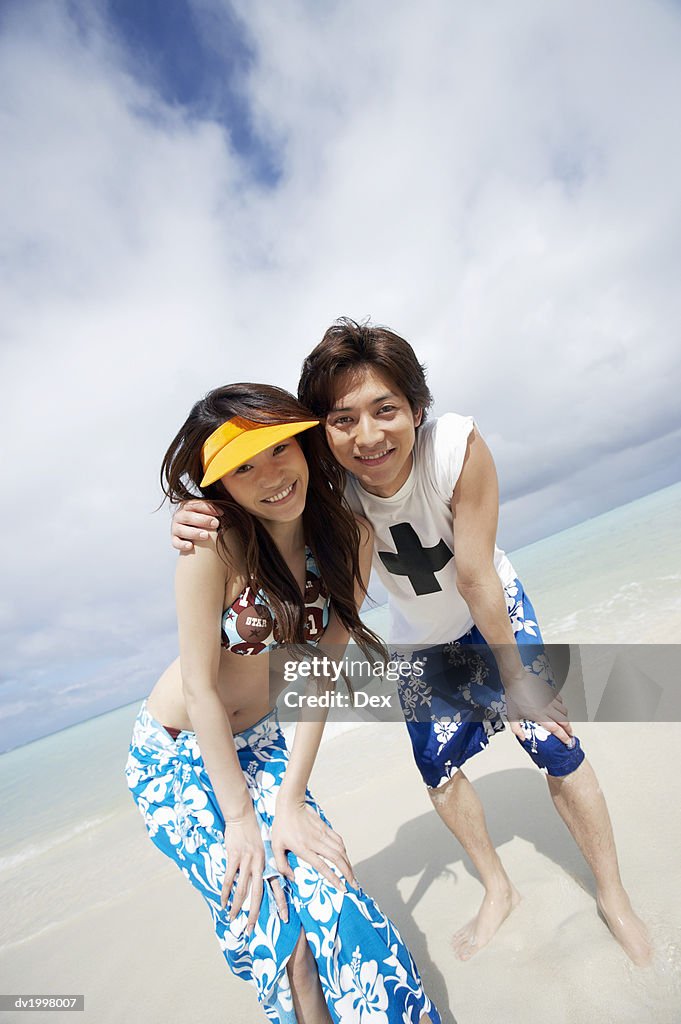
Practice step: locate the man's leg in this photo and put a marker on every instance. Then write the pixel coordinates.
(442, 743)
(579, 801)
(577, 796)
(460, 809)
(581, 804)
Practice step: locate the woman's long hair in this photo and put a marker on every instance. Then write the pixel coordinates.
(330, 529)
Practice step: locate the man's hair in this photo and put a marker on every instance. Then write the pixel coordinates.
(348, 345)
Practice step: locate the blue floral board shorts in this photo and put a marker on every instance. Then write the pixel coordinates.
(455, 706)
(367, 973)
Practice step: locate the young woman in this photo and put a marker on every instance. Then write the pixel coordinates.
(215, 784)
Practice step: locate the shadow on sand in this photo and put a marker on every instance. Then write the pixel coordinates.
(517, 803)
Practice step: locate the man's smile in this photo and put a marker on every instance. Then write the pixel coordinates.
(376, 459)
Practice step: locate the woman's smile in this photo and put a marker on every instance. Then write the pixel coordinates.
(281, 496)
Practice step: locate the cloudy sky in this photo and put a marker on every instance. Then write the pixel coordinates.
(192, 190)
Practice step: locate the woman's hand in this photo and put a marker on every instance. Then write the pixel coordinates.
(298, 828)
(245, 857)
(193, 521)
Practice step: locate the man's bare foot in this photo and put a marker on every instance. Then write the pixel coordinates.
(628, 929)
(495, 908)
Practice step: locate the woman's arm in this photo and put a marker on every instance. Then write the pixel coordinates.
(295, 828)
(200, 591)
(335, 639)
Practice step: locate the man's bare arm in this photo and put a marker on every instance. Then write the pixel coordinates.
(475, 510)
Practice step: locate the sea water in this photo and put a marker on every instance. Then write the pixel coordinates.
(613, 579)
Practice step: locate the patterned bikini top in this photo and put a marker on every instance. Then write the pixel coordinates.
(248, 625)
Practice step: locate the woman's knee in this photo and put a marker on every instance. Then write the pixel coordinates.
(302, 967)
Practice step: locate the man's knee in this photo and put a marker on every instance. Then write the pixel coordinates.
(582, 771)
(448, 791)
(550, 753)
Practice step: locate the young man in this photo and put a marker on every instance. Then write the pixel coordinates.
(429, 489)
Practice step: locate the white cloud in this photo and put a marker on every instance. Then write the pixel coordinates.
(499, 183)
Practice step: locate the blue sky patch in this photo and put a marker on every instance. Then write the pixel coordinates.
(172, 49)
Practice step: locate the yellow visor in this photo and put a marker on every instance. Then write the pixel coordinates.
(238, 440)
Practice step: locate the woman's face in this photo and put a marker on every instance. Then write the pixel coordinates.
(272, 485)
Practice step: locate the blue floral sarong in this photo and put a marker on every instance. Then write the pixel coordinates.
(366, 972)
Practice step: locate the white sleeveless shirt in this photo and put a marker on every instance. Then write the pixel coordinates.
(414, 538)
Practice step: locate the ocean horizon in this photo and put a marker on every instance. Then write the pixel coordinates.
(64, 795)
(569, 555)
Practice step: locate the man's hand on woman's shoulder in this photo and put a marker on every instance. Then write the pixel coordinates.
(193, 521)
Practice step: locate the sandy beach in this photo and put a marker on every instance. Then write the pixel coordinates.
(151, 955)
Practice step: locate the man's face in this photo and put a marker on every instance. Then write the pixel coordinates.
(371, 430)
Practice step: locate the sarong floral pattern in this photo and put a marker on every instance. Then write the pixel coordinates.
(367, 973)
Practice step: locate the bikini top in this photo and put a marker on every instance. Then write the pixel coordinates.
(248, 625)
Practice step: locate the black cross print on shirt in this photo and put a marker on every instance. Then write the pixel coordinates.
(413, 560)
